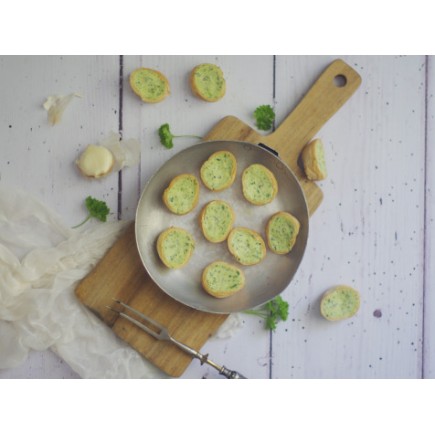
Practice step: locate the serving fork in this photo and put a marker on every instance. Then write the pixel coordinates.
(162, 334)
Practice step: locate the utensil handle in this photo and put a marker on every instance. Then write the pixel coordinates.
(231, 374)
(326, 96)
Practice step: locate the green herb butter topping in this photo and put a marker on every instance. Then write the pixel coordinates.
(221, 277)
(247, 247)
(176, 246)
(340, 303)
(320, 154)
(218, 171)
(259, 184)
(217, 221)
(149, 83)
(182, 194)
(282, 234)
(209, 81)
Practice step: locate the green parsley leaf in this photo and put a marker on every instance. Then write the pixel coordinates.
(166, 137)
(264, 117)
(272, 312)
(96, 209)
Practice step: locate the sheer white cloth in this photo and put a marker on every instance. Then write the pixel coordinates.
(41, 262)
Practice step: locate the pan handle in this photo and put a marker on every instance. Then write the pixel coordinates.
(328, 94)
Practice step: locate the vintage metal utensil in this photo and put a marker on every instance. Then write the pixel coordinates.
(162, 334)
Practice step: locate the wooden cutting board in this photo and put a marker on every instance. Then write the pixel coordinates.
(121, 275)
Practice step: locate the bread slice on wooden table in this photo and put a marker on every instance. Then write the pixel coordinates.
(175, 247)
(259, 184)
(218, 172)
(282, 230)
(246, 245)
(182, 194)
(339, 303)
(150, 85)
(221, 279)
(216, 220)
(207, 82)
(313, 160)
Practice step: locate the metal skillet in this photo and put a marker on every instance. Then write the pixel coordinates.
(263, 281)
(270, 277)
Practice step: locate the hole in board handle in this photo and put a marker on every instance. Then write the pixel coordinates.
(340, 80)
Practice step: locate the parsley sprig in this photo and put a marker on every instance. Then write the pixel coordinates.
(272, 312)
(166, 137)
(264, 117)
(96, 209)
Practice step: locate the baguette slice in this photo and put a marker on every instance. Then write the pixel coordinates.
(175, 247)
(221, 279)
(150, 85)
(207, 82)
(216, 220)
(246, 245)
(339, 302)
(182, 194)
(219, 170)
(313, 160)
(259, 184)
(282, 230)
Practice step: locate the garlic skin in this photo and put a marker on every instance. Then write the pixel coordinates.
(96, 161)
(55, 105)
(125, 151)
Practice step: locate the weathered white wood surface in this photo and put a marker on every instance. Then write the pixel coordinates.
(374, 229)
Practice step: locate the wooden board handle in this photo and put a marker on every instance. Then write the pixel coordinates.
(331, 90)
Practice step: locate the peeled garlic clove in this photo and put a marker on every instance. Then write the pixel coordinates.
(96, 161)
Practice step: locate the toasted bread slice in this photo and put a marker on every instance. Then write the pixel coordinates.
(182, 194)
(175, 247)
(259, 184)
(95, 161)
(221, 279)
(339, 303)
(246, 245)
(216, 220)
(282, 230)
(207, 82)
(218, 172)
(313, 160)
(150, 85)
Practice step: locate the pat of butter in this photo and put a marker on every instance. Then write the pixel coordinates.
(96, 161)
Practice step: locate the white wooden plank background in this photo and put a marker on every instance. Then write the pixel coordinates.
(374, 229)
